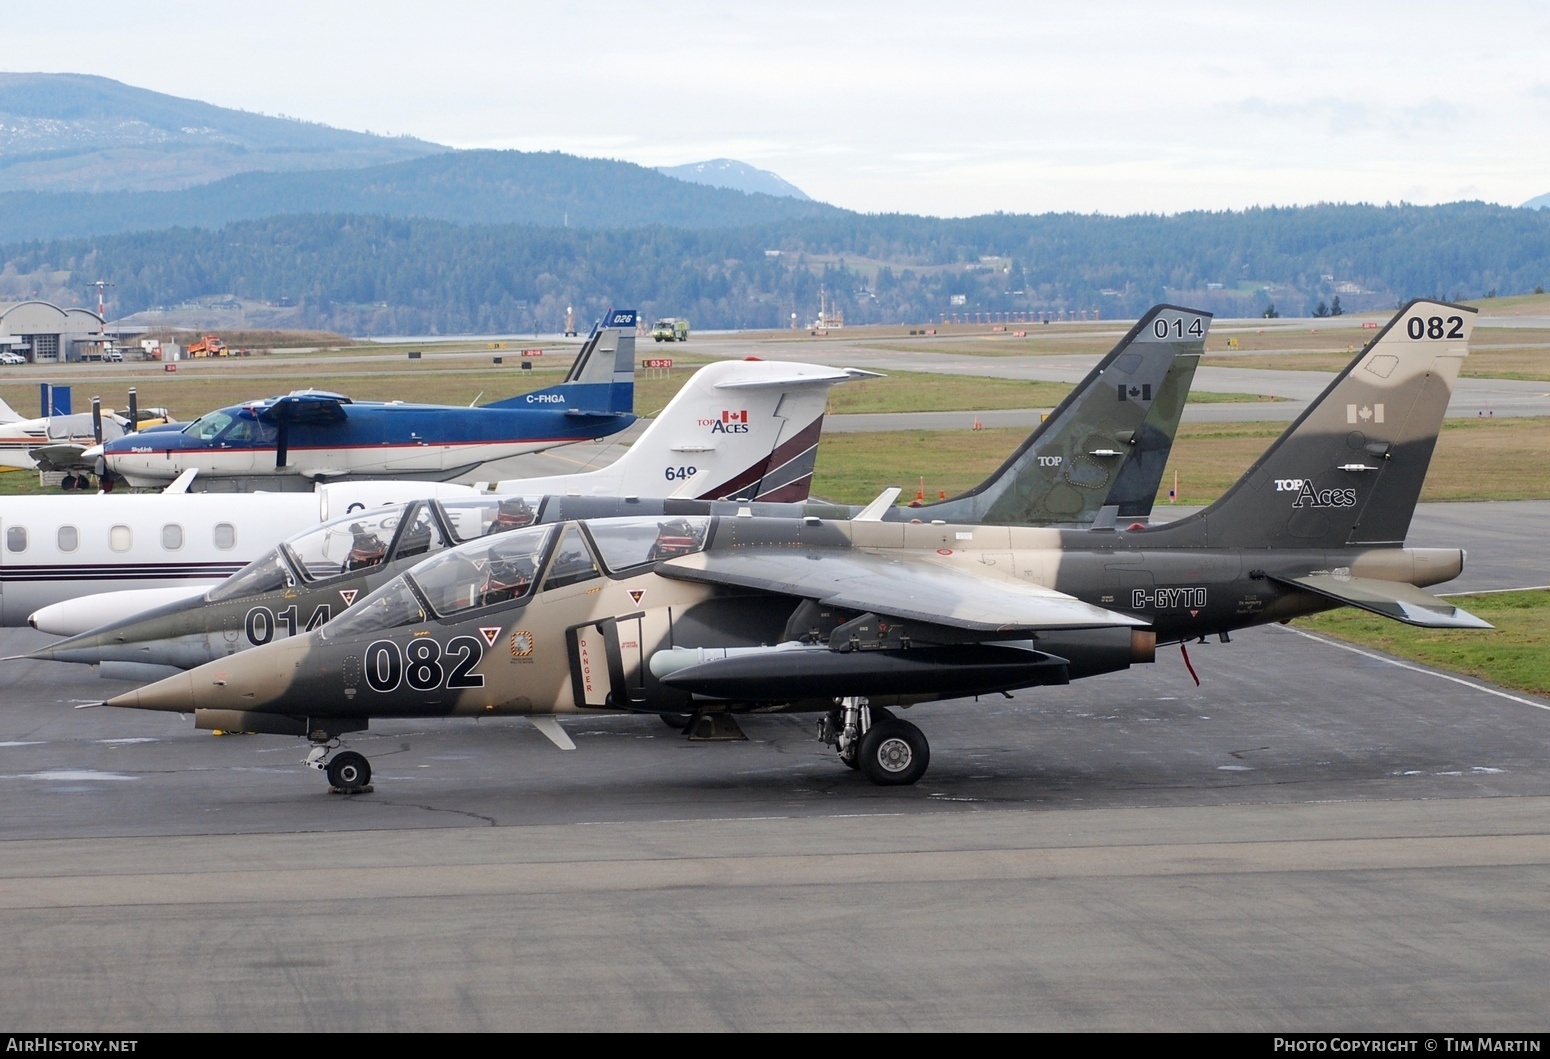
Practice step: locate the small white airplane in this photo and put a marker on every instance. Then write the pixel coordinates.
(737, 429)
(22, 440)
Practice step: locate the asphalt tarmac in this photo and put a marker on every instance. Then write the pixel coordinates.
(1314, 838)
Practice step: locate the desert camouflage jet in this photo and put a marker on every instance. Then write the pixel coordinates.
(721, 614)
(1101, 452)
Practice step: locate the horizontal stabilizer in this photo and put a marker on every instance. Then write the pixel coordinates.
(1391, 599)
(912, 588)
(875, 511)
(809, 375)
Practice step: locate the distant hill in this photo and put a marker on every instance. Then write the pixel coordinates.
(464, 187)
(77, 132)
(1538, 202)
(739, 176)
(375, 275)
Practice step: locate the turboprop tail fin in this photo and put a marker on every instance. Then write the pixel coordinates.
(1349, 470)
(1106, 444)
(601, 381)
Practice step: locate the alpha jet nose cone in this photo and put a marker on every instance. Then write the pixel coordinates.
(173, 695)
(246, 681)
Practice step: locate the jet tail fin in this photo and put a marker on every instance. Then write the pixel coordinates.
(736, 430)
(1349, 470)
(1106, 444)
(601, 381)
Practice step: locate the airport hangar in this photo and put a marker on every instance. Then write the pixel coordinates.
(46, 334)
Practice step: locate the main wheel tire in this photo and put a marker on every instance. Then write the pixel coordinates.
(894, 754)
(349, 771)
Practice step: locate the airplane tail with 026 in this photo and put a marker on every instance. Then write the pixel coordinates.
(602, 379)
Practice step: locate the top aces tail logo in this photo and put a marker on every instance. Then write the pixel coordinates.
(1309, 497)
(730, 422)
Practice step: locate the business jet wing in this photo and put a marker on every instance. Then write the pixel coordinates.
(1390, 599)
(904, 587)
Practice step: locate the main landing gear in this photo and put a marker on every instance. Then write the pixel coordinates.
(348, 773)
(887, 751)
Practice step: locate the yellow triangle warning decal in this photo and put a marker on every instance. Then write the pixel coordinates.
(348, 594)
(637, 594)
(491, 633)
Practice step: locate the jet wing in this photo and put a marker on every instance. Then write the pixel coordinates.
(1391, 599)
(907, 587)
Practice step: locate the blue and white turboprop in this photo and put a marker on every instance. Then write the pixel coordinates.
(318, 436)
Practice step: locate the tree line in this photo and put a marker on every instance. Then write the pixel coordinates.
(374, 275)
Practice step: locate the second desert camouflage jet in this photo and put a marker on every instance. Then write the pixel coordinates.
(718, 614)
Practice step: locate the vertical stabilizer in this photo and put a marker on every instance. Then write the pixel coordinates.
(602, 379)
(1349, 470)
(1106, 444)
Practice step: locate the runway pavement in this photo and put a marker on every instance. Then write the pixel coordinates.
(1314, 838)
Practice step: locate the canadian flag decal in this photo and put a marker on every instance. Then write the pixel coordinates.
(740, 416)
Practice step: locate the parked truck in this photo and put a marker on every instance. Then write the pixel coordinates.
(208, 346)
(671, 329)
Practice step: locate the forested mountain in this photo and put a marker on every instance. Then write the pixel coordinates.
(466, 187)
(76, 132)
(377, 275)
(739, 176)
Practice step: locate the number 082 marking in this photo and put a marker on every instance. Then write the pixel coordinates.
(1419, 327)
(423, 665)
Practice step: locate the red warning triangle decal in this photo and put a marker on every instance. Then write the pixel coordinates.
(348, 594)
(1194, 614)
(491, 633)
(636, 594)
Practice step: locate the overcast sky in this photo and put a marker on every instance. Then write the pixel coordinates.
(946, 108)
